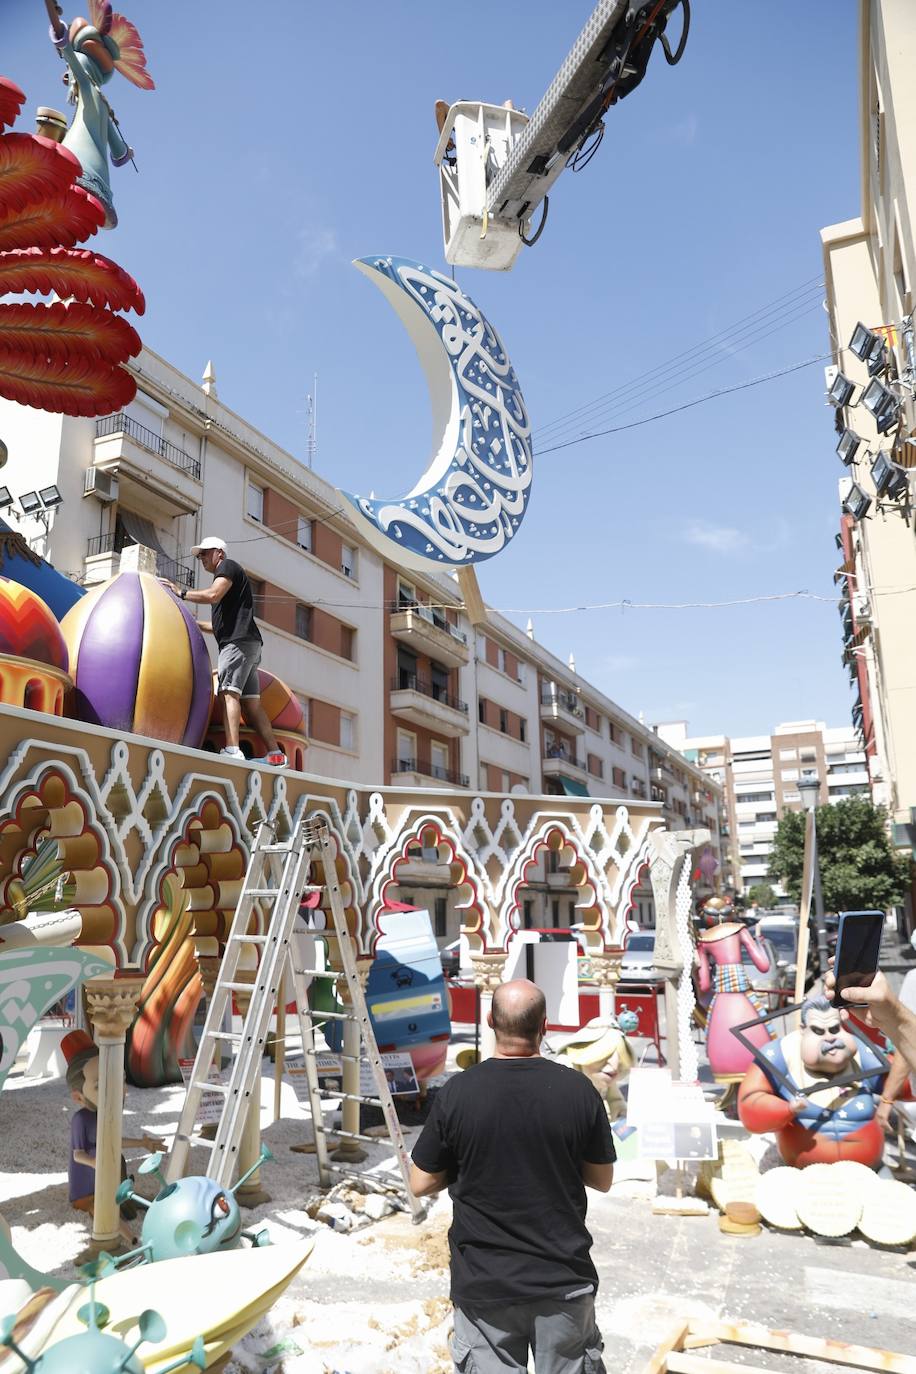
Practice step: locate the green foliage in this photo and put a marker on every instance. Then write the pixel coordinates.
(763, 895)
(860, 870)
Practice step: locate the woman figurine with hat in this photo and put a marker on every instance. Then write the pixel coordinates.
(721, 968)
(603, 1053)
(82, 1056)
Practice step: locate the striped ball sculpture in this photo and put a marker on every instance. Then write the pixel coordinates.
(138, 661)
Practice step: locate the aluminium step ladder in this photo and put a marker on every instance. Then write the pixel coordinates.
(277, 876)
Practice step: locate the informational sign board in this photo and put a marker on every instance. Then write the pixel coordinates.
(211, 1104)
(399, 1071)
(554, 968)
(673, 1119)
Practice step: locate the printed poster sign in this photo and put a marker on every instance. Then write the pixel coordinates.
(211, 1104)
(399, 1071)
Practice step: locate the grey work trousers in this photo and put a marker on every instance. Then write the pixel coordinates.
(496, 1338)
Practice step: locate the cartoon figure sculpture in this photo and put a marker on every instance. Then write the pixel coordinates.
(93, 49)
(817, 1125)
(603, 1053)
(82, 1056)
(194, 1216)
(734, 1001)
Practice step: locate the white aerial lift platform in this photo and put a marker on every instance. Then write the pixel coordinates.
(496, 165)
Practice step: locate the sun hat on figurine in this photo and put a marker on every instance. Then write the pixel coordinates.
(138, 661)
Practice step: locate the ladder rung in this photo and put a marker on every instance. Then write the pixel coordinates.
(352, 1058)
(252, 939)
(210, 1087)
(260, 892)
(357, 1135)
(193, 1140)
(250, 988)
(333, 1016)
(320, 973)
(224, 1035)
(335, 1096)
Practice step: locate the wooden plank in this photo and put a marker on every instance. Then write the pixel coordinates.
(812, 1347)
(658, 1362)
(704, 1364)
(470, 593)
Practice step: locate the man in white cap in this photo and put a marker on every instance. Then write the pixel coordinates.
(239, 642)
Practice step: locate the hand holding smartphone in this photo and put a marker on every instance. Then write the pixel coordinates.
(857, 948)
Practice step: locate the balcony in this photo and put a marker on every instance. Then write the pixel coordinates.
(428, 632)
(563, 708)
(147, 462)
(103, 561)
(558, 762)
(420, 773)
(428, 705)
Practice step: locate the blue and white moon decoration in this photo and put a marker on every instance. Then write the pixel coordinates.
(470, 501)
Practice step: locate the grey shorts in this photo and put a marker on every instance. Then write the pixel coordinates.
(237, 670)
(562, 1336)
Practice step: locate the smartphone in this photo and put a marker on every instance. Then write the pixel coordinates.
(857, 948)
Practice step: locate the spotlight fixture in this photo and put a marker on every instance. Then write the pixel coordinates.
(50, 496)
(890, 478)
(869, 347)
(857, 502)
(30, 503)
(840, 391)
(848, 446)
(6, 499)
(881, 404)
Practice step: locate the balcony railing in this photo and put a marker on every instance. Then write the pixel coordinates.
(555, 751)
(165, 566)
(567, 700)
(409, 682)
(430, 770)
(124, 424)
(439, 621)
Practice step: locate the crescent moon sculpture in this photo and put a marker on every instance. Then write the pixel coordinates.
(471, 499)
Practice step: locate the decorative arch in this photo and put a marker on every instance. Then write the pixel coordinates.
(555, 835)
(194, 892)
(635, 871)
(430, 831)
(50, 810)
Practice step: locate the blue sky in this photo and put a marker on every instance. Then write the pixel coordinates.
(284, 140)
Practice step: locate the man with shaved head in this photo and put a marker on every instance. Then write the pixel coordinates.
(516, 1140)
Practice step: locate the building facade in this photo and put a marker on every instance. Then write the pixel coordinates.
(870, 269)
(398, 687)
(759, 776)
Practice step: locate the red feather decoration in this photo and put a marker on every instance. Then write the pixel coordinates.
(75, 273)
(60, 221)
(84, 387)
(12, 100)
(33, 168)
(67, 333)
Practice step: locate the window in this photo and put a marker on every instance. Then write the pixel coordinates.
(406, 749)
(304, 533)
(503, 721)
(528, 913)
(407, 595)
(303, 621)
(347, 642)
(440, 917)
(348, 560)
(257, 595)
(438, 754)
(555, 912)
(482, 710)
(619, 777)
(347, 730)
(255, 501)
(523, 729)
(637, 748)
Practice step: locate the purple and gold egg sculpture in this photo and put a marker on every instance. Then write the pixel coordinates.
(138, 661)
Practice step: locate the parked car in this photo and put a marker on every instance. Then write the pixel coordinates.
(450, 958)
(638, 962)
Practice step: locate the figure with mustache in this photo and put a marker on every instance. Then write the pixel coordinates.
(816, 1124)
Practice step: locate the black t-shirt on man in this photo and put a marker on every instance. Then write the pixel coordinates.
(513, 1134)
(233, 617)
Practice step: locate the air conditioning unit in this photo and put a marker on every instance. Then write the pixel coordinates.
(102, 484)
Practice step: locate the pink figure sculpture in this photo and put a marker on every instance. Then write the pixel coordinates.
(734, 999)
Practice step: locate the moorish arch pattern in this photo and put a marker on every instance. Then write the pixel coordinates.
(49, 808)
(554, 836)
(432, 830)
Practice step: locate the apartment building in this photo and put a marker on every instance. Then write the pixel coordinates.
(397, 685)
(759, 776)
(870, 270)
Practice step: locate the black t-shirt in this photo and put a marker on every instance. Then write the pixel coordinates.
(513, 1134)
(233, 617)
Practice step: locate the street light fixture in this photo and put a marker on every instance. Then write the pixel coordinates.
(840, 391)
(890, 478)
(809, 789)
(848, 446)
(882, 404)
(30, 502)
(869, 347)
(50, 496)
(857, 502)
(6, 499)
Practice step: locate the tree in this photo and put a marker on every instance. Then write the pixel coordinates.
(763, 895)
(859, 868)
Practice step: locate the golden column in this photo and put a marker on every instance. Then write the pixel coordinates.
(111, 1004)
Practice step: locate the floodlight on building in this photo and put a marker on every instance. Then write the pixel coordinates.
(857, 502)
(30, 503)
(882, 404)
(869, 347)
(848, 446)
(6, 499)
(840, 391)
(50, 496)
(890, 478)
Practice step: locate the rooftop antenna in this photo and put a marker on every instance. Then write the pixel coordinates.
(312, 443)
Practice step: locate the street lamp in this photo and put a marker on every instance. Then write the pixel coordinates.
(809, 789)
